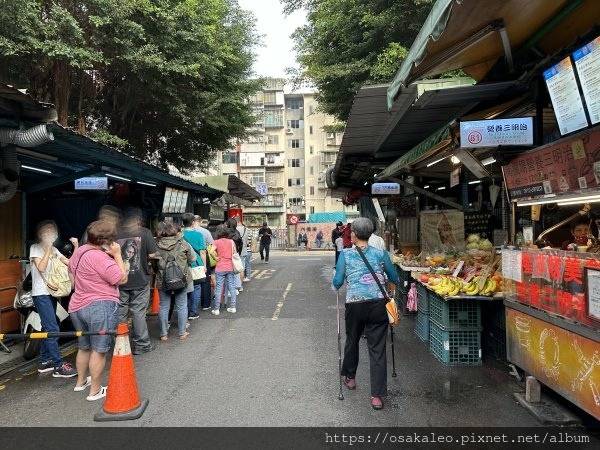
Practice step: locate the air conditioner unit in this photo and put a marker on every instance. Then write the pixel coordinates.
(321, 178)
(289, 131)
(330, 135)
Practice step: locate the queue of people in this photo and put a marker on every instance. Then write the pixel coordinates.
(110, 274)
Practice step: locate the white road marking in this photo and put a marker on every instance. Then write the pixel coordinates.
(309, 259)
(280, 304)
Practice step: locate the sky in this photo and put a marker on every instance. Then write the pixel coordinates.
(278, 51)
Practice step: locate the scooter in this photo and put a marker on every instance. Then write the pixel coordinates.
(30, 318)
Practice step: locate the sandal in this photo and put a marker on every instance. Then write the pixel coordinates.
(164, 338)
(184, 336)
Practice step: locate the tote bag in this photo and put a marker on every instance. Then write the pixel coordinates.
(238, 264)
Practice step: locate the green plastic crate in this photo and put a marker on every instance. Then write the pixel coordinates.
(423, 295)
(404, 276)
(450, 314)
(455, 347)
(422, 326)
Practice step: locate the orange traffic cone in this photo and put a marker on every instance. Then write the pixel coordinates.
(122, 396)
(155, 302)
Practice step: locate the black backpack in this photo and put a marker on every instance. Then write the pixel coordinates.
(174, 278)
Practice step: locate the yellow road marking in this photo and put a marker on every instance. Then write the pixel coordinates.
(280, 304)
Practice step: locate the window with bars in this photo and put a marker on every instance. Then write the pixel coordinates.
(292, 182)
(294, 103)
(270, 98)
(229, 158)
(296, 123)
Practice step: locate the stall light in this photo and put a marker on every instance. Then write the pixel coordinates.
(117, 177)
(488, 161)
(145, 183)
(454, 160)
(538, 202)
(436, 161)
(586, 199)
(366, 182)
(35, 169)
(578, 202)
(426, 187)
(475, 182)
(441, 188)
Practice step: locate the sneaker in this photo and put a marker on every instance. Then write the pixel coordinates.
(267, 262)
(240, 290)
(81, 388)
(231, 310)
(246, 279)
(98, 395)
(206, 309)
(194, 317)
(142, 350)
(215, 312)
(237, 292)
(350, 383)
(376, 403)
(64, 371)
(47, 366)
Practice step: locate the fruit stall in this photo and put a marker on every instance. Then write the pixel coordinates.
(458, 301)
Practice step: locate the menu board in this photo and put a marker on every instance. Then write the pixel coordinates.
(587, 62)
(565, 97)
(175, 201)
(593, 293)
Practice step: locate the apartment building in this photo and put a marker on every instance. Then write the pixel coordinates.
(285, 157)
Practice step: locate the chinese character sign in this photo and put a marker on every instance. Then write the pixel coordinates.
(569, 164)
(492, 133)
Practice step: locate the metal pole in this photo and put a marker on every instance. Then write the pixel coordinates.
(57, 334)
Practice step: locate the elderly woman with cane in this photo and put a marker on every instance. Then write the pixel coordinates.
(365, 307)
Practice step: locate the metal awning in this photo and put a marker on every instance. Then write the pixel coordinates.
(232, 185)
(17, 104)
(72, 155)
(475, 35)
(375, 139)
(439, 141)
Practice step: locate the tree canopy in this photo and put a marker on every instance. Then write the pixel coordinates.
(347, 44)
(165, 80)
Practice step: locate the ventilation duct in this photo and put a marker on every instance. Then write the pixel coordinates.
(9, 172)
(29, 138)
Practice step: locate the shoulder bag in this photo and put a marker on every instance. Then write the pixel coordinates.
(199, 271)
(58, 281)
(238, 264)
(390, 306)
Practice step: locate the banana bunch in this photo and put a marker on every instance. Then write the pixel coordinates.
(448, 286)
(472, 287)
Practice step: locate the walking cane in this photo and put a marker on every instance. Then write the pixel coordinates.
(393, 357)
(339, 340)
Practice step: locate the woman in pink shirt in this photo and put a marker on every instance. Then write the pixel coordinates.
(97, 270)
(224, 271)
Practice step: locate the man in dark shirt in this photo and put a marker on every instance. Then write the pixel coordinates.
(336, 233)
(264, 234)
(137, 245)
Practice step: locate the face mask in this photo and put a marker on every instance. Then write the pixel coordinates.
(49, 239)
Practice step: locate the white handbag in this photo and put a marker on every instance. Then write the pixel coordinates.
(238, 264)
(198, 274)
